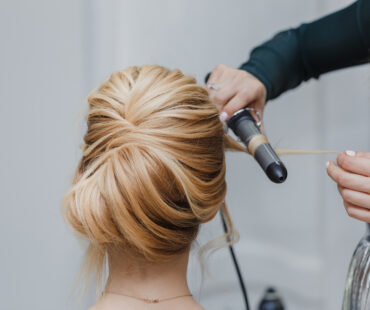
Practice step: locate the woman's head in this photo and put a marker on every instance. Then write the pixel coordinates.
(153, 164)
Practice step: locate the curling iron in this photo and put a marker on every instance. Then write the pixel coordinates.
(248, 131)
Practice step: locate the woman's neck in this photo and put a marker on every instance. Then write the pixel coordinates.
(131, 276)
(136, 277)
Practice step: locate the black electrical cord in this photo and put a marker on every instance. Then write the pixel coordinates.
(237, 268)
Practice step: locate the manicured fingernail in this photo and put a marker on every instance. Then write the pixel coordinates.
(223, 116)
(327, 164)
(351, 153)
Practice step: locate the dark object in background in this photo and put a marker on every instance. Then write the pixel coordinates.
(271, 301)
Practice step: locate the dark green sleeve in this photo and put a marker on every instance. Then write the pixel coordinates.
(336, 41)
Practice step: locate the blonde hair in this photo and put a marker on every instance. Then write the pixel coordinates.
(152, 168)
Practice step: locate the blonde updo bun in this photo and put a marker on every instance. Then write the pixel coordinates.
(153, 164)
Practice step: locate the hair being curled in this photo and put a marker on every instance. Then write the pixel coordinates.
(153, 165)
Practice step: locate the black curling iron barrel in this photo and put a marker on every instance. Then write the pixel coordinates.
(247, 130)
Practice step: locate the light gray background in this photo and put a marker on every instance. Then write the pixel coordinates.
(295, 236)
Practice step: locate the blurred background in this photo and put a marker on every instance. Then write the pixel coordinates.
(295, 236)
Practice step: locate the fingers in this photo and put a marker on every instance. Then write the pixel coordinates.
(347, 179)
(361, 154)
(216, 74)
(249, 90)
(352, 176)
(223, 95)
(238, 102)
(355, 163)
(222, 76)
(357, 212)
(358, 199)
(237, 89)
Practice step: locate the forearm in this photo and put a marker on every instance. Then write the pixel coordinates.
(333, 42)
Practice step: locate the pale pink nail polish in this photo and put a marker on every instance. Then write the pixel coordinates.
(351, 153)
(223, 116)
(327, 164)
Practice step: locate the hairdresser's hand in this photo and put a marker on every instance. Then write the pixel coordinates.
(237, 89)
(352, 174)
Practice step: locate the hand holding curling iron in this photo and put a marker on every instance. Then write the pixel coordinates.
(352, 174)
(235, 89)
